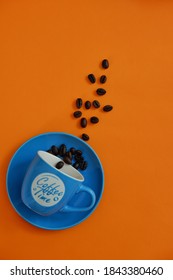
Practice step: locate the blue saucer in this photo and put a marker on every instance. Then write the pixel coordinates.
(94, 178)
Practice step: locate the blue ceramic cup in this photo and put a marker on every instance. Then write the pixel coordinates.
(46, 189)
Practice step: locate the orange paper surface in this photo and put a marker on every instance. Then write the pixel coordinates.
(47, 49)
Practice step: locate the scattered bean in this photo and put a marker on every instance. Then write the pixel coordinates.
(105, 63)
(87, 104)
(83, 122)
(101, 91)
(79, 103)
(85, 137)
(92, 78)
(96, 104)
(103, 79)
(77, 114)
(107, 108)
(94, 119)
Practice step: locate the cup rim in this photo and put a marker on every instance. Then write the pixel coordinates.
(40, 152)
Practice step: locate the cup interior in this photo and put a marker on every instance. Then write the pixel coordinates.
(67, 169)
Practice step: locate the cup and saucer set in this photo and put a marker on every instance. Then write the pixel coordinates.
(48, 197)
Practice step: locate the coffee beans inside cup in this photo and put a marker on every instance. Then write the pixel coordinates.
(71, 156)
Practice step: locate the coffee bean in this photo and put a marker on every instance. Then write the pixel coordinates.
(96, 104)
(87, 104)
(101, 91)
(54, 150)
(62, 150)
(78, 158)
(94, 120)
(67, 160)
(92, 78)
(83, 165)
(76, 165)
(49, 151)
(105, 63)
(72, 150)
(83, 122)
(77, 114)
(59, 165)
(103, 79)
(79, 103)
(78, 152)
(85, 137)
(107, 108)
(68, 154)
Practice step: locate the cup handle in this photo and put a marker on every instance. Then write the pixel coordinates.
(82, 188)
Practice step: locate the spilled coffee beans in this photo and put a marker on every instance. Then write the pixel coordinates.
(101, 91)
(105, 63)
(94, 120)
(87, 104)
(83, 122)
(79, 103)
(92, 78)
(85, 137)
(96, 104)
(107, 108)
(77, 114)
(103, 79)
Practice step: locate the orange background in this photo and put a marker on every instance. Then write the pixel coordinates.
(47, 49)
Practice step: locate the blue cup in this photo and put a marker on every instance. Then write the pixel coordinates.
(46, 189)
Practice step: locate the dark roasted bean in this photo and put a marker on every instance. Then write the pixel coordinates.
(85, 137)
(62, 150)
(105, 63)
(94, 119)
(101, 91)
(69, 154)
(78, 158)
(83, 122)
(54, 150)
(107, 108)
(49, 151)
(92, 78)
(78, 152)
(87, 104)
(83, 165)
(79, 103)
(77, 114)
(96, 104)
(67, 160)
(72, 150)
(76, 165)
(59, 165)
(103, 79)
